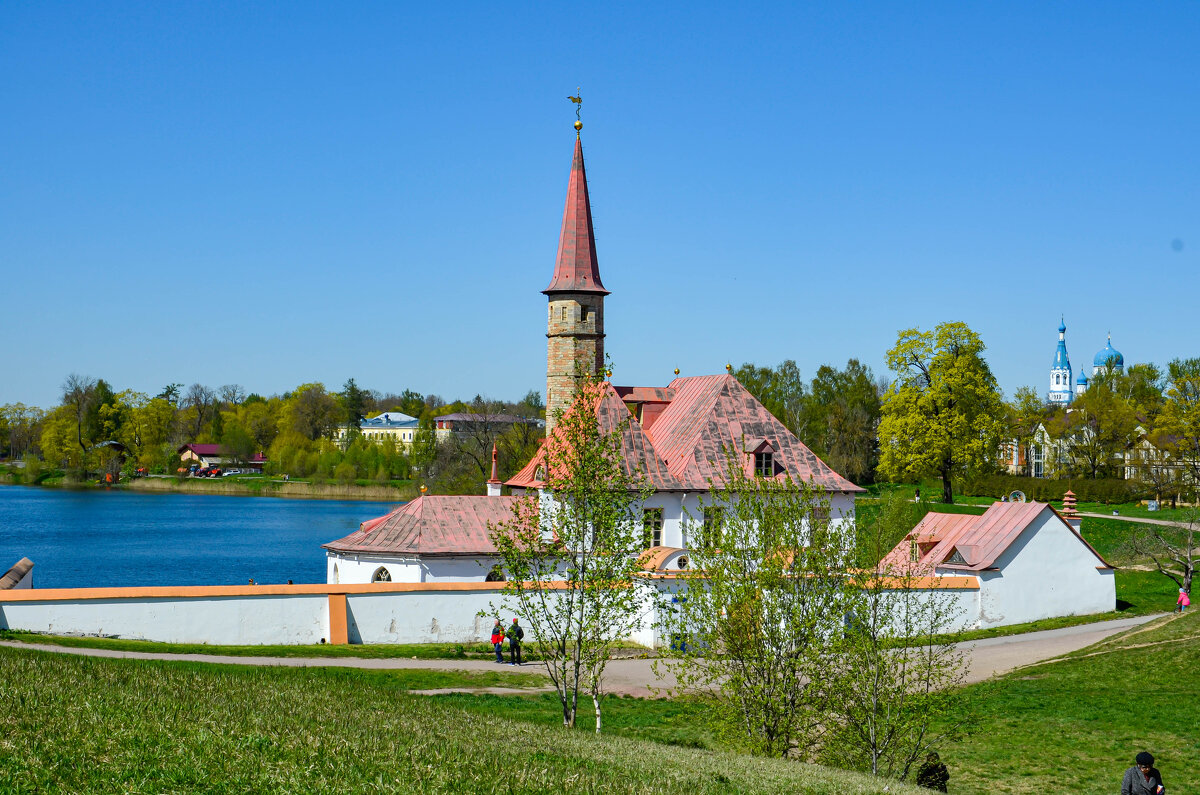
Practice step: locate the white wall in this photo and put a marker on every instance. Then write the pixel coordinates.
(296, 619)
(353, 569)
(1046, 572)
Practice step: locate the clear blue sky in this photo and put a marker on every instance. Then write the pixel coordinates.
(275, 193)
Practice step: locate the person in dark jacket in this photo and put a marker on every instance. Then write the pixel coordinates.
(1143, 778)
(515, 636)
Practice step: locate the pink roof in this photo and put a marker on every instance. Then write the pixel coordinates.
(576, 268)
(978, 540)
(686, 446)
(431, 525)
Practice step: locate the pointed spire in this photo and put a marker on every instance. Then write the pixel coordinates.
(494, 484)
(577, 270)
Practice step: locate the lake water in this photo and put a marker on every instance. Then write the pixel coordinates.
(90, 538)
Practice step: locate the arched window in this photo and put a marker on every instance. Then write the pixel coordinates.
(336, 576)
(381, 575)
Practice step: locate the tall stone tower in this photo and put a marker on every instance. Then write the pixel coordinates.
(575, 328)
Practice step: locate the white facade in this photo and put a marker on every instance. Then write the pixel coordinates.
(1045, 573)
(342, 568)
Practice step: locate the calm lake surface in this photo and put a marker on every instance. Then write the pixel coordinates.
(117, 538)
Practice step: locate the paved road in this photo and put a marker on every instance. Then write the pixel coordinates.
(1140, 519)
(637, 678)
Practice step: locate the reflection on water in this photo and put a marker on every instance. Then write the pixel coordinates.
(102, 538)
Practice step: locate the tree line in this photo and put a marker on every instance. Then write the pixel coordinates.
(942, 415)
(96, 429)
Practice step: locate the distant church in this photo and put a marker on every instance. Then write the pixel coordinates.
(1062, 389)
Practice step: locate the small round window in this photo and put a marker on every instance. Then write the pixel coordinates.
(382, 575)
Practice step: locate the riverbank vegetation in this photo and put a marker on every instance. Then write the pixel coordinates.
(309, 433)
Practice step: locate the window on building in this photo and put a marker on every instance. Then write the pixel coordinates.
(764, 464)
(713, 529)
(652, 526)
(381, 575)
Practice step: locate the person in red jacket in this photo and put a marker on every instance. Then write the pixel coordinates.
(498, 641)
(1184, 601)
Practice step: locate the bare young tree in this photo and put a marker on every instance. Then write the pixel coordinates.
(201, 401)
(78, 395)
(1174, 549)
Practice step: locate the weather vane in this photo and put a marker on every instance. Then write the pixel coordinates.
(578, 100)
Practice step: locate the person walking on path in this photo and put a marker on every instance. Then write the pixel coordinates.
(1184, 601)
(498, 641)
(515, 636)
(1143, 778)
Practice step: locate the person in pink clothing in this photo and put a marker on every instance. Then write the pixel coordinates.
(1183, 602)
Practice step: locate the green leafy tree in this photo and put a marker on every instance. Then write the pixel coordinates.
(571, 560)
(1096, 431)
(1021, 420)
(1181, 416)
(843, 426)
(354, 403)
(943, 414)
(313, 412)
(761, 611)
(780, 390)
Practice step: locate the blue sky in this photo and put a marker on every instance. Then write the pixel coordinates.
(275, 193)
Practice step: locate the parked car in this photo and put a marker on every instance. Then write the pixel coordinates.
(229, 472)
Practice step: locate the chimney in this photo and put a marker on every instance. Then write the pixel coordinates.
(493, 484)
(1070, 514)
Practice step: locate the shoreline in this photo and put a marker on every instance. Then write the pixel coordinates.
(233, 488)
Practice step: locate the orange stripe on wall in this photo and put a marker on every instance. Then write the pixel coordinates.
(219, 591)
(337, 619)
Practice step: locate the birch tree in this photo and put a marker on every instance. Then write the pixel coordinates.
(570, 557)
(759, 617)
(898, 672)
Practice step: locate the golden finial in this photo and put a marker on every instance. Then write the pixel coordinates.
(676, 371)
(729, 368)
(578, 100)
(423, 488)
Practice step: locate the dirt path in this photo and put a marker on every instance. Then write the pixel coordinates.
(636, 677)
(1138, 519)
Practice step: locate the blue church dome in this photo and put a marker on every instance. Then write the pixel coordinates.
(1082, 379)
(1110, 356)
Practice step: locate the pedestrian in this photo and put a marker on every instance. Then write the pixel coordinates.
(1143, 778)
(498, 641)
(1184, 601)
(515, 635)
(932, 774)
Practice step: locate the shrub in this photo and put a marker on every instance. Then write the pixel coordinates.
(1106, 490)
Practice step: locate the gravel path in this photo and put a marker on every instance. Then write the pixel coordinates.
(637, 677)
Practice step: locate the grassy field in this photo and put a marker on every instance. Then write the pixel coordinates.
(71, 724)
(1075, 725)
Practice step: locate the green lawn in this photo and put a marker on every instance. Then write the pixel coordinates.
(71, 724)
(1074, 726)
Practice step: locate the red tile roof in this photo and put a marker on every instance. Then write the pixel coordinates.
(979, 540)
(431, 525)
(686, 447)
(576, 270)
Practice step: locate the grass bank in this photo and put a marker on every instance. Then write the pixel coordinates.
(1076, 724)
(92, 725)
(270, 487)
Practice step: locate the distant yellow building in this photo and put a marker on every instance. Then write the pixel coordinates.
(393, 425)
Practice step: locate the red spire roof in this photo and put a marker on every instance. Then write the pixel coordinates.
(577, 270)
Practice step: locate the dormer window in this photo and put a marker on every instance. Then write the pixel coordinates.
(764, 464)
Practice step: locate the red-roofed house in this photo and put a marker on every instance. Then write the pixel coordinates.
(215, 455)
(1029, 561)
